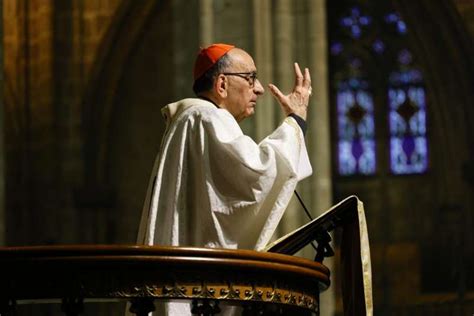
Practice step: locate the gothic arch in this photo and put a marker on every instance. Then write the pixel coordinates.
(125, 31)
(445, 47)
(133, 78)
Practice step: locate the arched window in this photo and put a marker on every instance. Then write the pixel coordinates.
(377, 91)
(407, 119)
(355, 124)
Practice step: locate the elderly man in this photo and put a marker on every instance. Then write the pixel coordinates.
(211, 185)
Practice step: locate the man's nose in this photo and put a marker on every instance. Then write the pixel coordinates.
(258, 88)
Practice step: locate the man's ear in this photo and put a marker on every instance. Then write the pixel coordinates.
(221, 85)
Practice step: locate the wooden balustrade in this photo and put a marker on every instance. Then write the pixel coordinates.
(207, 278)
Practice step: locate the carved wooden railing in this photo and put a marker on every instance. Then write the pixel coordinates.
(208, 278)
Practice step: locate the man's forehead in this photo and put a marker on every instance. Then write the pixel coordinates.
(240, 58)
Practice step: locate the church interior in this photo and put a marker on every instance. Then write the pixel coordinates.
(391, 121)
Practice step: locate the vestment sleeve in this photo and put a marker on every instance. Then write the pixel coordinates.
(249, 185)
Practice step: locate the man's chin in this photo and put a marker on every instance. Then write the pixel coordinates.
(246, 114)
(249, 114)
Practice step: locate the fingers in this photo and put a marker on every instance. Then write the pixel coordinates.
(301, 91)
(307, 79)
(300, 80)
(276, 92)
(298, 76)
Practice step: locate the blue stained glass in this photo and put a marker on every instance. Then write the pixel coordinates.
(352, 84)
(347, 162)
(418, 121)
(346, 22)
(415, 162)
(391, 18)
(410, 76)
(356, 31)
(404, 57)
(383, 36)
(336, 48)
(356, 130)
(407, 120)
(364, 20)
(378, 46)
(355, 21)
(401, 27)
(394, 18)
(397, 124)
(367, 159)
(356, 157)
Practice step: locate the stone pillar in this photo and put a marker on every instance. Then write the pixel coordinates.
(2, 147)
(263, 56)
(319, 110)
(284, 43)
(186, 40)
(206, 22)
(283, 46)
(319, 133)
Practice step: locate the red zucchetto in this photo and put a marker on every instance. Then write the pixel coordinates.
(208, 57)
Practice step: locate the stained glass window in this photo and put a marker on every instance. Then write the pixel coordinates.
(407, 120)
(355, 120)
(373, 74)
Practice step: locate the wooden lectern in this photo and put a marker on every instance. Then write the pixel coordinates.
(209, 278)
(261, 283)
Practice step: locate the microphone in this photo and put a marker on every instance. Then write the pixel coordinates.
(323, 249)
(307, 214)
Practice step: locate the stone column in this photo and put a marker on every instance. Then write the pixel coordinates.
(186, 39)
(319, 133)
(284, 43)
(263, 38)
(2, 147)
(206, 22)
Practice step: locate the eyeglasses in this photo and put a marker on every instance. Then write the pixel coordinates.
(249, 76)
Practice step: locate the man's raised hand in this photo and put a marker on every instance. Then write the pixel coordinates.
(297, 101)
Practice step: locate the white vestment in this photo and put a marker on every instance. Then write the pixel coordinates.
(213, 186)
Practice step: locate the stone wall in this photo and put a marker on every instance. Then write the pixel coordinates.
(49, 48)
(466, 11)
